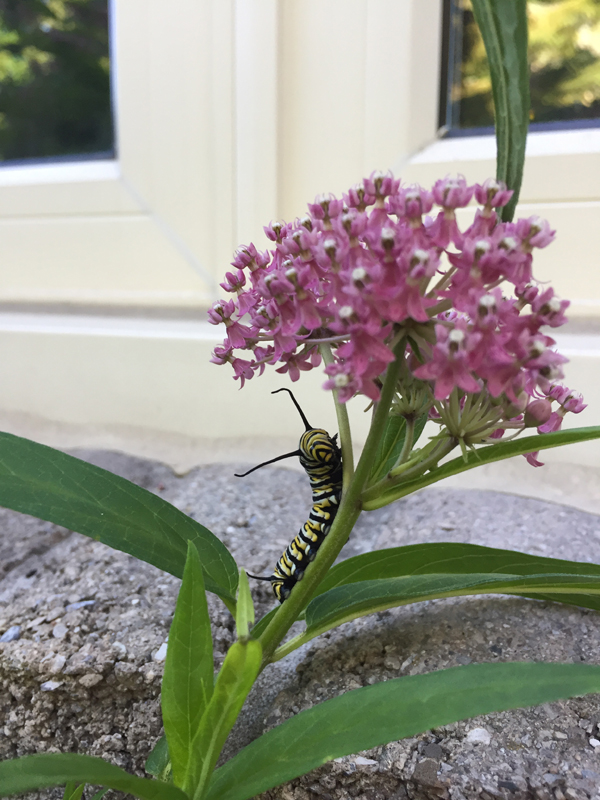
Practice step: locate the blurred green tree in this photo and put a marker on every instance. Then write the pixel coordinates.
(54, 78)
(564, 57)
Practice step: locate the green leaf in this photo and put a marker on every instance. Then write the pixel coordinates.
(73, 791)
(503, 26)
(263, 622)
(188, 679)
(56, 769)
(235, 679)
(51, 485)
(345, 603)
(483, 455)
(99, 795)
(158, 762)
(457, 559)
(385, 712)
(244, 615)
(391, 444)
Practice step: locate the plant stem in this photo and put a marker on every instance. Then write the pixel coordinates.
(343, 425)
(347, 515)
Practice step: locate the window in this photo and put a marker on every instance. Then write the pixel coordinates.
(564, 56)
(55, 80)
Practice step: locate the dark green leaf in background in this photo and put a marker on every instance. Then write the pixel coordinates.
(158, 762)
(391, 443)
(382, 713)
(263, 622)
(359, 599)
(57, 769)
(503, 26)
(188, 679)
(455, 558)
(51, 485)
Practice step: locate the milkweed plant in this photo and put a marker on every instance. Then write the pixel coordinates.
(433, 322)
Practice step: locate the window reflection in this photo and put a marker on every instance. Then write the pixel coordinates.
(54, 79)
(564, 57)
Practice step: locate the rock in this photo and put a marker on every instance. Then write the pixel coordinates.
(50, 686)
(80, 604)
(161, 653)
(109, 642)
(12, 634)
(57, 664)
(60, 631)
(479, 735)
(89, 680)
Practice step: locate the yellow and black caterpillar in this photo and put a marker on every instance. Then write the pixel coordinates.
(322, 460)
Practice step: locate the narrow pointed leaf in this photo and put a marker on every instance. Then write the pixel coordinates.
(391, 444)
(244, 615)
(56, 769)
(73, 791)
(234, 681)
(43, 482)
(386, 712)
(457, 558)
(354, 600)
(188, 680)
(503, 26)
(483, 455)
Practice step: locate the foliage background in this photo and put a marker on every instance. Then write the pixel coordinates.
(564, 57)
(54, 78)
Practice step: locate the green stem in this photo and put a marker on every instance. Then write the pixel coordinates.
(343, 424)
(346, 517)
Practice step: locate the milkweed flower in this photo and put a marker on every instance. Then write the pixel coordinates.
(381, 266)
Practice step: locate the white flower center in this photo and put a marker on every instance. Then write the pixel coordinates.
(340, 381)
(554, 305)
(456, 336)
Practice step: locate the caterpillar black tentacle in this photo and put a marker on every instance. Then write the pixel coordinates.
(322, 461)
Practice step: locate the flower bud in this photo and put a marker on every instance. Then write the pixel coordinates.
(537, 412)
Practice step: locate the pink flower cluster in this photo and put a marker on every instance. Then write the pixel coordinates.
(380, 266)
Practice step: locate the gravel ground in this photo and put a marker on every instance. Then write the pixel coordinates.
(84, 631)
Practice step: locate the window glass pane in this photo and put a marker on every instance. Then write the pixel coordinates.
(54, 79)
(564, 57)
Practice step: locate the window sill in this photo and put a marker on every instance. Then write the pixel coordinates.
(478, 148)
(561, 166)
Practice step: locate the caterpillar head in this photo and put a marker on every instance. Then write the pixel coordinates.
(316, 445)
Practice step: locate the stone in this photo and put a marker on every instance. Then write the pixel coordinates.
(50, 686)
(479, 735)
(60, 631)
(161, 653)
(118, 718)
(89, 680)
(12, 634)
(80, 604)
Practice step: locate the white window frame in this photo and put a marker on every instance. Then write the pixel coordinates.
(157, 224)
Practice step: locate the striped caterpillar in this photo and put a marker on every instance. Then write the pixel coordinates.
(322, 461)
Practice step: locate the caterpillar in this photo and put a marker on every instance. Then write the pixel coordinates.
(322, 461)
